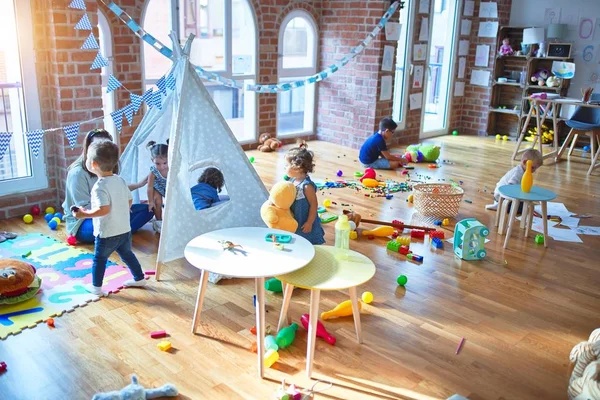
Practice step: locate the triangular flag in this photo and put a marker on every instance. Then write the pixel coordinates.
(136, 101)
(72, 131)
(99, 62)
(128, 111)
(171, 81)
(4, 142)
(90, 43)
(162, 85)
(148, 97)
(117, 117)
(35, 139)
(77, 4)
(157, 100)
(84, 24)
(113, 84)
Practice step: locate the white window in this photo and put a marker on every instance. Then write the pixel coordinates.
(403, 65)
(297, 60)
(19, 101)
(108, 99)
(225, 43)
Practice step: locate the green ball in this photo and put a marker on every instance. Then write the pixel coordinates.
(251, 159)
(539, 239)
(402, 280)
(454, 133)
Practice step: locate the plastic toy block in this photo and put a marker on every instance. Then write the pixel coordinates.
(437, 243)
(539, 239)
(353, 235)
(50, 322)
(395, 235)
(404, 250)
(436, 234)
(164, 345)
(150, 272)
(417, 234)
(445, 222)
(438, 223)
(392, 245)
(410, 256)
(158, 334)
(2, 367)
(417, 258)
(404, 240)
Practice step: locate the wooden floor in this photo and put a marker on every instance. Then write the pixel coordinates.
(520, 310)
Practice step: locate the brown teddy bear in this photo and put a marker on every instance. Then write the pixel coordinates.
(268, 143)
(18, 281)
(275, 212)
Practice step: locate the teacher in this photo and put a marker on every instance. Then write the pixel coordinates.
(78, 193)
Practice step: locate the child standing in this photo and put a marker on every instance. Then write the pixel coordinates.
(374, 152)
(299, 164)
(110, 204)
(206, 192)
(514, 176)
(157, 180)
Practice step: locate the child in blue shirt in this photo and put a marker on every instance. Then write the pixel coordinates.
(206, 192)
(374, 152)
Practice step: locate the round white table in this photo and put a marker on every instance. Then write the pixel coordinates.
(254, 257)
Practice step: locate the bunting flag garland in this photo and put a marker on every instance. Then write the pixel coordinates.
(128, 111)
(90, 43)
(117, 117)
(162, 85)
(4, 142)
(113, 84)
(35, 138)
(72, 132)
(84, 24)
(99, 62)
(171, 81)
(136, 101)
(157, 100)
(148, 98)
(77, 4)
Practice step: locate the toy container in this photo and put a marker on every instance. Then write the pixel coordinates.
(469, 239)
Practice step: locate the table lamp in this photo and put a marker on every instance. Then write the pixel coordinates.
(534, 36)
(557, 31)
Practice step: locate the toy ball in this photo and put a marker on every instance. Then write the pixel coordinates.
(53, 225)
(367, 297)
(28, 218)
(498, 137)
(402, 280)
(339, 173)
(505, 138)
(286, 178)
(71, 240)
(352, 225)
(50, 210)
(326, 203)
(251, 159)
(35, 210)
(411, 198)
(454, 133)
(58, 215)
(587, 149)
(57, 220)
(48, 217)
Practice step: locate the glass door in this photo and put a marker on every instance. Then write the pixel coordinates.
(438, 82)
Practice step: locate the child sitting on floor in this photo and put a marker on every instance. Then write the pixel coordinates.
(206, 192)
(514, 176)
(299, 164)
(374, 152)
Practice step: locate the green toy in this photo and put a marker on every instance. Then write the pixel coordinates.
(286, 336)
(402, 280)
(270, 343)
(454, 133)
(274, 285)
(393, 246)
(422, 153)
(539, 239)
(469, 239)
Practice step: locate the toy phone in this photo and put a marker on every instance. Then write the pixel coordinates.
(327, 217)
(321, 210)
(279, 237)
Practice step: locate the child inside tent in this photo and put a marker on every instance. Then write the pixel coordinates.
(206, 193)
(157, 180)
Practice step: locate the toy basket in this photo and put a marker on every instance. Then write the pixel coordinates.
(437, 199)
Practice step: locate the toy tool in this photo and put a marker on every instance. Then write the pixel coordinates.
(271, 343)
(343, 309)
(286, 336)
(158, 334)
(278, 238)
(274, 285)
(271, 358)
(527, 180)
(352, 216)
(381, 231)
(321, 331)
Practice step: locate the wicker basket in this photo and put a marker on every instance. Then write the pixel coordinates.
(437, 199)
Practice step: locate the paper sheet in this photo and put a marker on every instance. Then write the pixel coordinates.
(587, 28)
(570, 222)
(459, 89)
(418, 77)
(386, 88)
(388, 58)
(392, 31)
(419, 52)
(424, 7)
(465, 27)
(424, 32)
(552, 16)
(587, 230)
(469, 8)
(416, 101)
(488, 29)
(482, 55)
(488, 10)
(538, 224)
(463, 48)
(462, 65)
(564, 235)
(555, 209)
(480, 77)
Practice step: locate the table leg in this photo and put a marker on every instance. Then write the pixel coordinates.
(545, 217)
(594, 161)
(499, 211)
(511, 220)
(312, 329)
(356, 313)
(260, 325)
(283, 316)
(529, 219)
(503, 212)
(199, 300)
(524, 215)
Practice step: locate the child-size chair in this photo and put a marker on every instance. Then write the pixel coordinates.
(586, 119)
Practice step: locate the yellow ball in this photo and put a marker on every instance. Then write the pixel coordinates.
(411, 198)
(367, 297)
(498, 137)
(27, 218)
(56, 219)
(49, 210)
(326, 203)
(504, 137)
(353, 235)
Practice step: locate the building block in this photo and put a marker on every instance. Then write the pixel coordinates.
(438, 223)
(417, 258)
(164, 345)
(437, 243)
(403, 240)
(436, 234)
(417, 234)
(539, 239)
(158, 334)
(2, 367)
(409, 256)
(404, 250)
(353, 235)
(445, 222)
(392, 245)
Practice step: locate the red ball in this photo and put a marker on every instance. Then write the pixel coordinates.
(35, 210)
(71, 240)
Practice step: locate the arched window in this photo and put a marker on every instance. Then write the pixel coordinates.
(225, 43)
(108, 99)
(297, 60)
(403, 64)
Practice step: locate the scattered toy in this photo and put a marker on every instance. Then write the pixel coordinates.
(71, 240)
(411, 198)
(35, 210)
(158, 334)
(274, 285)
(367, 297)
(353, 235)
(539, 239)
(251, 159)
(405, 240)
(339, 173)
(437, 234)
(164, 345)
(150, 272)
(286, 336)
(50, 210)
(402, 280)
(271, 357)
(26, 254)
(27, 218)
(50, 322)
(454, 133)
(445, 222)
(462, 341)
(2, 367)
(326, 203)
(321, 331)
(438, 223)
(343, 309)
(437, 243)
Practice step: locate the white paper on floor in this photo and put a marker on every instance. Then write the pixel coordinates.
(570, 222)
(564, 235)
(555, 209)
(538, 225)
(587, 230)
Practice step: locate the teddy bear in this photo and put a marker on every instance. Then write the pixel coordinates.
(135, 391)
(275, 212)
(585, 365)
(18, 281)
(422, 153)
(268, 143)
(540, 76)
(553, 81)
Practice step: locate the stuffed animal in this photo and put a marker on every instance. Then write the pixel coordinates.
(422, 153)
(137, 392)
(275, 212)
(18, 281)
(268, 143)
(585, 363)
(553, 81)
(540, 76)
(506, 49)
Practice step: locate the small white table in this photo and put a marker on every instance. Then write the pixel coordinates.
(256, 258)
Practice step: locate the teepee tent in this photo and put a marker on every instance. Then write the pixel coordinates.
(199, 137)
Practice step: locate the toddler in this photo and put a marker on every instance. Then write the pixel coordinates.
(110, 204)
(374, 152)
(206, 192)
(157, 180)
(514, 176)
(299, 164)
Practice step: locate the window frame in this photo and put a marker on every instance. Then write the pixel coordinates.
(400, 115)
(104, 32)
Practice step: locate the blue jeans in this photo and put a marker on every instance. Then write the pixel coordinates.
(138, 217)
(380, 163)
(104, 247)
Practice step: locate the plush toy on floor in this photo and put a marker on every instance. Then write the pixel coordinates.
(585, 364)
(275, 212)
(268, 143)
(422, 153)
(137, 392)
(18, 281)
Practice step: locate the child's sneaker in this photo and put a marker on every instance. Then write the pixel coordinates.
(134, 283)
(492, 207)
(95, 290)
(157, 226)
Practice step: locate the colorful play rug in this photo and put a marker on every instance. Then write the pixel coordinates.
(64, 270)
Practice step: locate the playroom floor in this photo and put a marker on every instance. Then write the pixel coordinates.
(520, 310)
